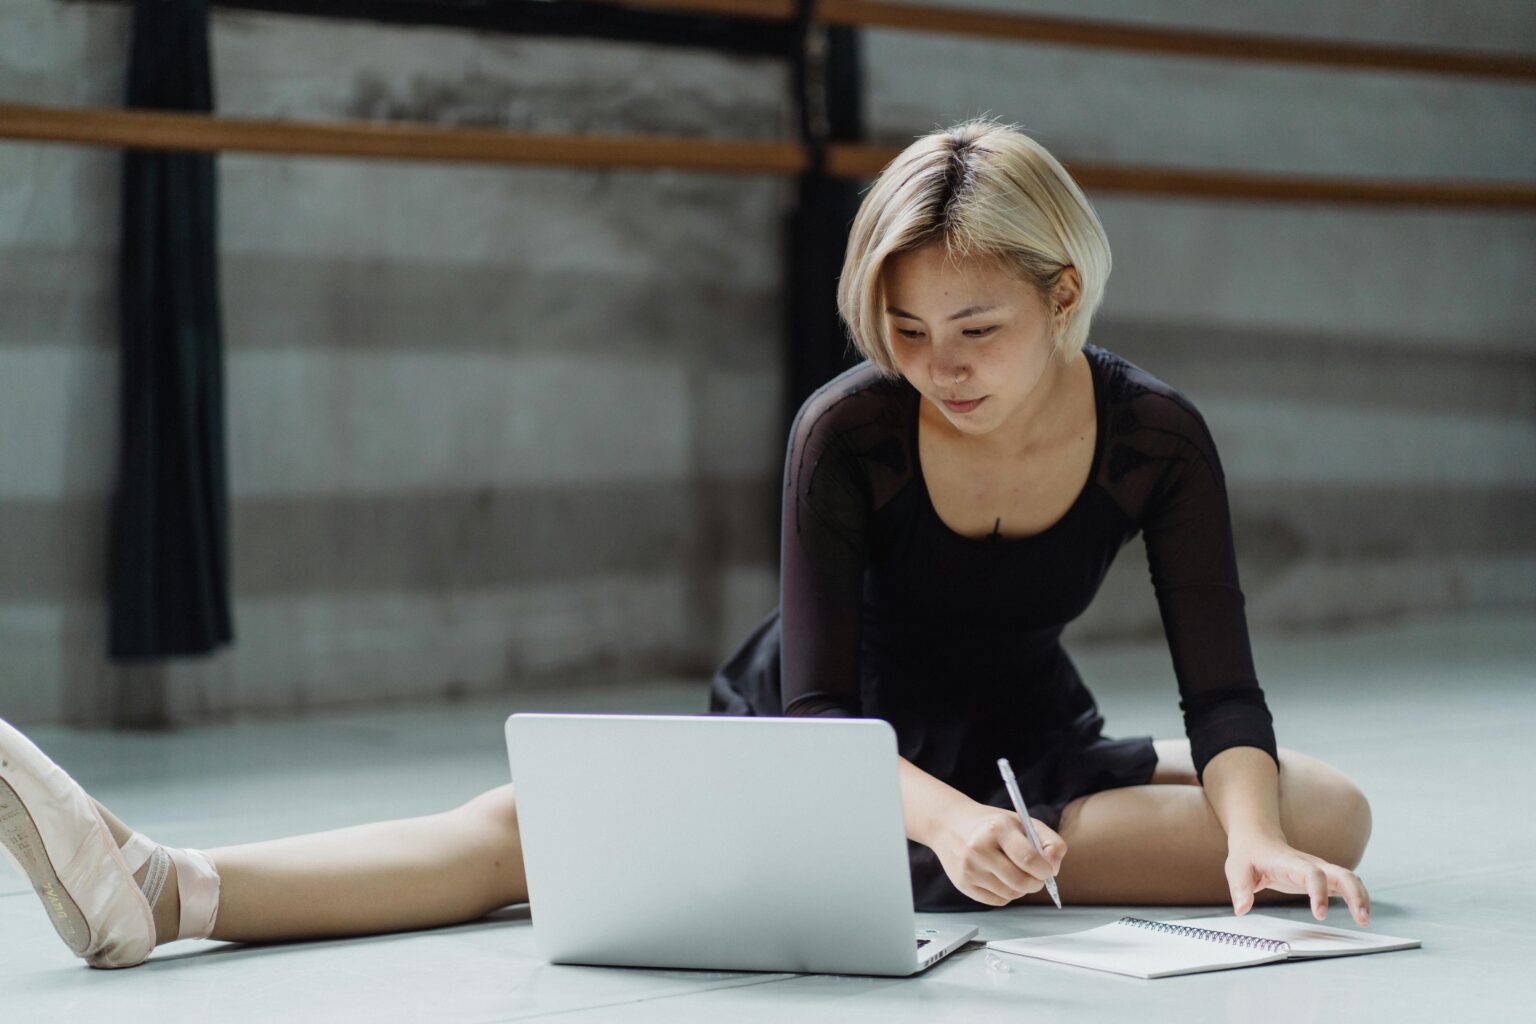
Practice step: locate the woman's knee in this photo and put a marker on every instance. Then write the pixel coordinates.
(1329, 816)
(1352, 825)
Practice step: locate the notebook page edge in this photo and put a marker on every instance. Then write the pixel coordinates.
(1141, 953)
(1301, 946)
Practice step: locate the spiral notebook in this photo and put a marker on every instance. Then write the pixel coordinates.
(1161, 949)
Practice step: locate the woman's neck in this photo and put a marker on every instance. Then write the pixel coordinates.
(1036, 423)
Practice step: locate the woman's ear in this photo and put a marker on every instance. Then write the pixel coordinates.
(1064, 298)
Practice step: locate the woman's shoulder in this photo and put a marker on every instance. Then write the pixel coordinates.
(1138, 401)
(860, 387)
(1149, 419)
(1127, 382)
(858, 402)
(858, 421)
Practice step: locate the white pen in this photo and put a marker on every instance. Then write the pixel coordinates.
(1029, 830)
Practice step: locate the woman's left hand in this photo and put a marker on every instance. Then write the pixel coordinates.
(1256, 863)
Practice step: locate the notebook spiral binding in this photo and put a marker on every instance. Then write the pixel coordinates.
(1210, 935)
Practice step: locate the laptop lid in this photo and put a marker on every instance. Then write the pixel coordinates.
(773, 844)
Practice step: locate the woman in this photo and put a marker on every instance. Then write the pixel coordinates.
(949, 506)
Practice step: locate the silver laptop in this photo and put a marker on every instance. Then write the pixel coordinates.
(754, 844)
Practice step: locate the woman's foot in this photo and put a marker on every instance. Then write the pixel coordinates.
(167, 912)
(110, 893)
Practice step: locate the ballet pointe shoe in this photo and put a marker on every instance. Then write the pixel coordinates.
(51, 830)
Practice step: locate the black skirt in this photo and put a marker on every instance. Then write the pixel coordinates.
(1083, 762)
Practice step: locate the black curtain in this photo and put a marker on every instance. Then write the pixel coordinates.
(169, 552)
(831, 110)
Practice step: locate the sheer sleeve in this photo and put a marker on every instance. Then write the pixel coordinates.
(824, 549)
(1188, 534)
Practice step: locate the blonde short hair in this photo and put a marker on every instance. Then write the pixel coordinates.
(985, 190)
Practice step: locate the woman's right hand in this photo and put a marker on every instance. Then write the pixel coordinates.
(987, 856)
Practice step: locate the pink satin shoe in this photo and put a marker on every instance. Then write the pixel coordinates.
(52, 832)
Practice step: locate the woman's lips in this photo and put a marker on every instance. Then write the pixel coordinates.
(964, 406)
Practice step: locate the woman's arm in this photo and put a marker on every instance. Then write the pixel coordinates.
(1187, 525)
(823, 554)
(1192, 557)
(1243, 787)
(982, 849)
(926, 802)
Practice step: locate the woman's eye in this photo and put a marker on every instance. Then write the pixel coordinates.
(908, 334)
(979, 332)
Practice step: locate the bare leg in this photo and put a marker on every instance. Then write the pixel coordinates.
(1163, 844)
(381, 877)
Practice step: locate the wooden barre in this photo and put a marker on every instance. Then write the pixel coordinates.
(1106, 35)
(763, 10)
(168, 130)
(173, 130)
(862, 162)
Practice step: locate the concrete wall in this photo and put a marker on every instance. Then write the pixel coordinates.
(491, 427)
(488, 425)
(1369, 374)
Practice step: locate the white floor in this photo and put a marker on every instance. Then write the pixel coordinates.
(1435, 719)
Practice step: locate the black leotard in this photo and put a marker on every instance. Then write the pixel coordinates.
(886, 612)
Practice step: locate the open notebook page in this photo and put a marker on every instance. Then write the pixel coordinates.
(1124, 949)
(1306, 938)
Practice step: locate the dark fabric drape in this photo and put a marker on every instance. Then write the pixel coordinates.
(831, 106)
(169, 562)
